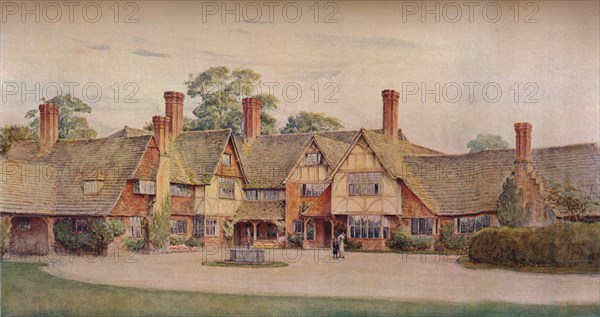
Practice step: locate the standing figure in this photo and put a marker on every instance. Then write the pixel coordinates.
(336, 248)
(340, 240)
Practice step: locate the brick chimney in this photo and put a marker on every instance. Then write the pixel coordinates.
(523, 164)
(390, 114)
(161, 133)
(251, 127)
(174, 111)
(48, 125)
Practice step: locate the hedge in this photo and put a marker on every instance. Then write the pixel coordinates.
(565, 244)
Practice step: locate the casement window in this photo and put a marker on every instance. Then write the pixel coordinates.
(24, 224)
(181, 190)
(271, 194)
(210, 229)
(80, 225)
(178, 226)
(313, 159)
(226, 188)
(368, 227)
(144, 187)
(198, 230)
(135, 229)
(251, 194)
(226, 159)
(364, 183)
(421, 226)
(472, 224)
(90, 187)
(298, 226)
(312, 189)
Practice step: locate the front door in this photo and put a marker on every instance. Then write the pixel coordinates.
(327, 233)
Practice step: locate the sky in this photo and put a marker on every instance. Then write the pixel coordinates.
(461, 68)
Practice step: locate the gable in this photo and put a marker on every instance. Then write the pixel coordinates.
(306, 172)
(361, 157)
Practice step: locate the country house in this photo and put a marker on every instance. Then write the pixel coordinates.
(267, 188)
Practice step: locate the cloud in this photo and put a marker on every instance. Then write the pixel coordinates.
(318, 74)
(146, 53)
(99, 47)
(379, 42)
(80, 41)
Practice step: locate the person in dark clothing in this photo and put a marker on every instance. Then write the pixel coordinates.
(336, 248)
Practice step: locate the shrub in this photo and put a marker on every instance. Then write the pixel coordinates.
(296, 240)
(448, 241)
(353, 244)
(400, 240)
(566, 244)
(422, 243)
(160, 228)
(116, 226)
(133, 244)
(176, 240)
(101, 233)
(193, 242)
(4, 234)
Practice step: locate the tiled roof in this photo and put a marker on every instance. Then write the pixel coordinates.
(128, 132)
(195, 155)
(471, 183)
(321, 207)
(269, 159)
(115, 160)
(28, 188)
(261, 210)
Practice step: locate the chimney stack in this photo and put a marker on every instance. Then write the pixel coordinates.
(48, 125)
(523, 164)
(390, 114)
(251, 108)
(174, 111)
(523, 141)
(161, 133)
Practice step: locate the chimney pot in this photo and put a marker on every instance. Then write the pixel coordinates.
(251, 107)
(390, 114)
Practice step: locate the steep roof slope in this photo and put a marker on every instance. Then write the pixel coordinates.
(195, 155)
(128, 132)
(115, 160)
(28, 188)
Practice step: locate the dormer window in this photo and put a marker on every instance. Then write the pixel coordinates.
(226, 159)
(90, 187)
(313, 159)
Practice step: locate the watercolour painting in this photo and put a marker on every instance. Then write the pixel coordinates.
(300, 158)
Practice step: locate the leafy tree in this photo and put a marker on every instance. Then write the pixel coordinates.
(569, 200)
(13, 134)
(71, 125)
(220, 91)
(510, 205)
(486, 142)
(306, 122)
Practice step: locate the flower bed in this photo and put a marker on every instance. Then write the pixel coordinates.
(184, 248)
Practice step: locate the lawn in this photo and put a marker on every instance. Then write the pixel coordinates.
(27, 290)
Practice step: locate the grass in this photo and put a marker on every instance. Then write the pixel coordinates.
(466, 262)
(250, 265)
(27, 290)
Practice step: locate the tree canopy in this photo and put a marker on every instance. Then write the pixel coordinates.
(13, 134)
(307, 122)
(486, 142)
(570, 200)
(219, 92)
(71, 124)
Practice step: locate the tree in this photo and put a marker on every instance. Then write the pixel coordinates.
(13, 134)
(71, 125)
(219, 91)
(307, 122)
(569, 200)
(510, 205)
(486, 142)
